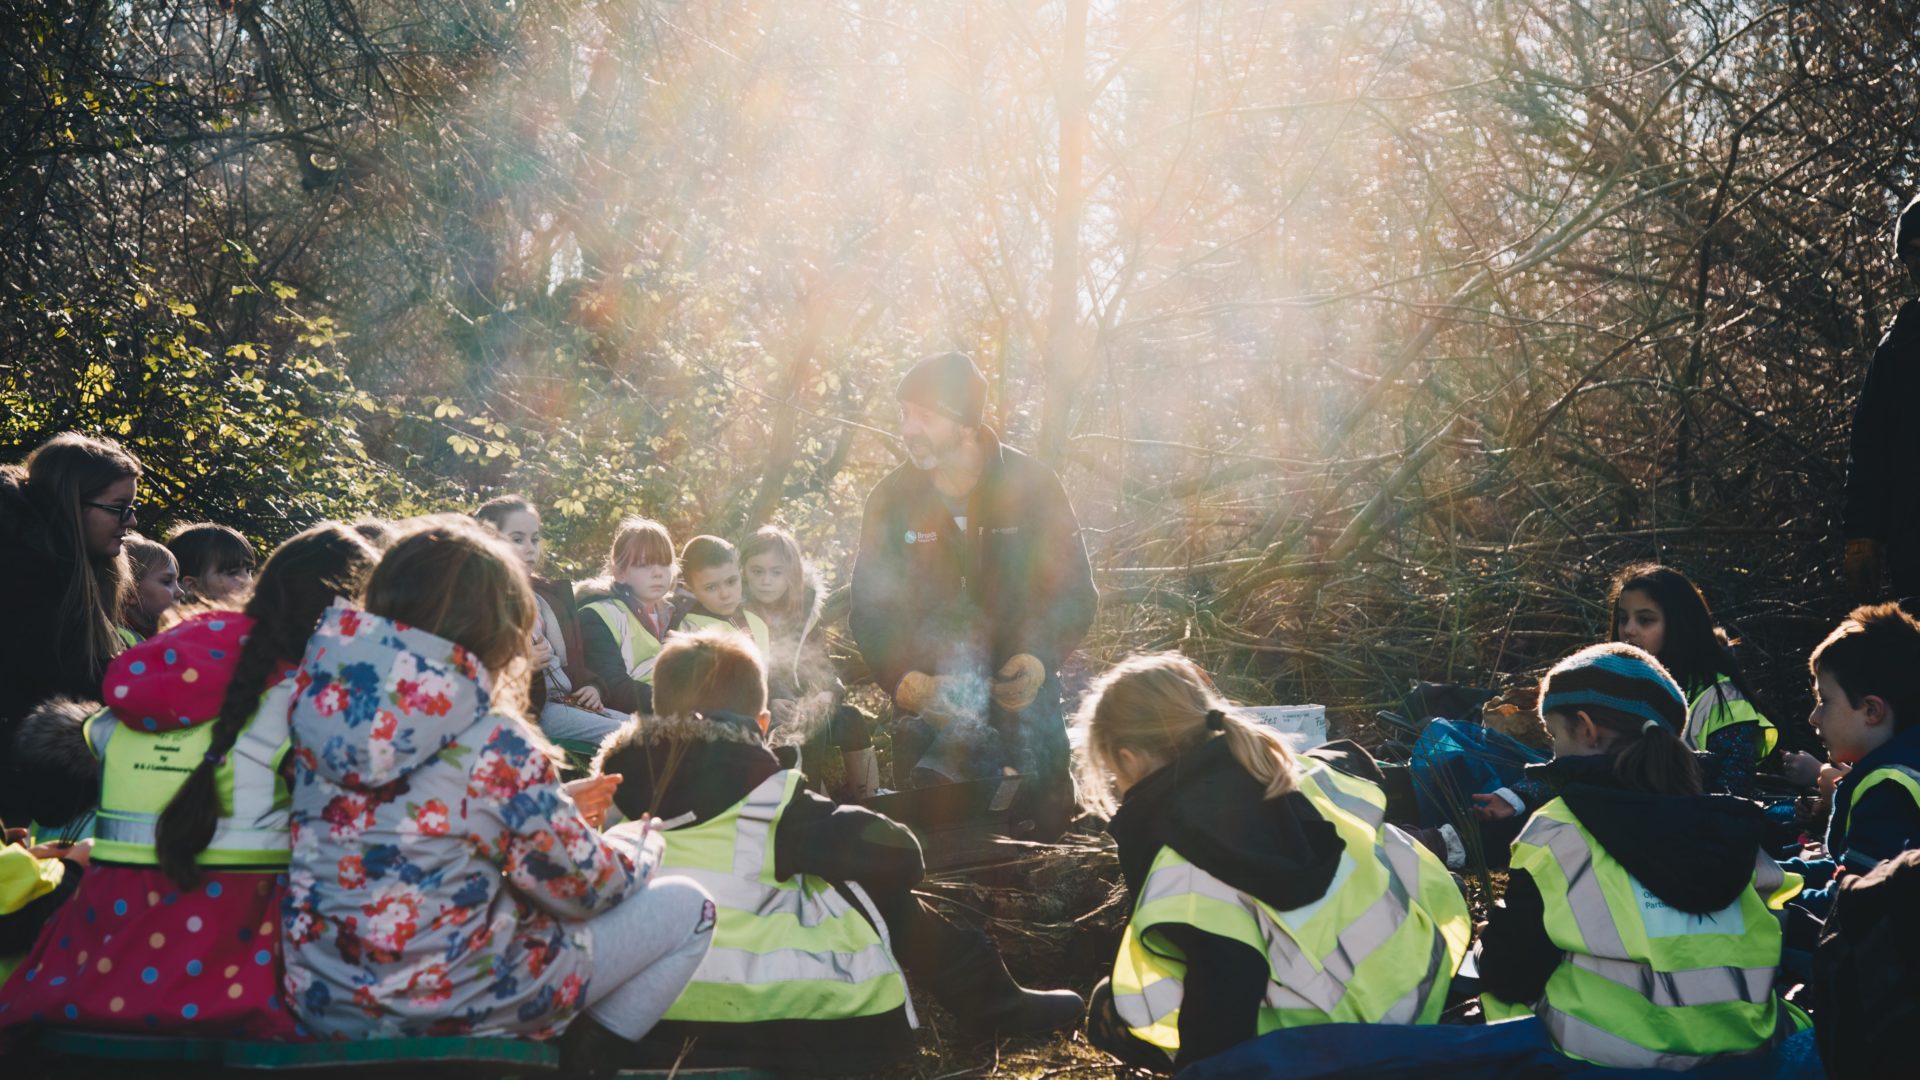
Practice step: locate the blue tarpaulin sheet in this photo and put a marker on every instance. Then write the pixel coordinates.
(1421, 1052)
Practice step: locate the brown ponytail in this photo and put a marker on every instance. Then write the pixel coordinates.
(1655, 760)
(300, 580)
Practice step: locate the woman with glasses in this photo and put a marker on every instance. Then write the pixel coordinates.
(64, 516)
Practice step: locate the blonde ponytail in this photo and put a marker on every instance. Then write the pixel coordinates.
(1162, 705)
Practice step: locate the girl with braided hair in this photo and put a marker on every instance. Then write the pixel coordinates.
(175, 927)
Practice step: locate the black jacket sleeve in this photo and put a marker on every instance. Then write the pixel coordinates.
(1516, 955)
(1224, 986)
(1060, 597)
(618, 690)
(1881, 824)
(1873, 460)
(880, 597)
(845, 843)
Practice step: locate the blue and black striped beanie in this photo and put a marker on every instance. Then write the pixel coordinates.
(1615, 676)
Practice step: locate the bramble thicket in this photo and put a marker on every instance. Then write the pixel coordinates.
(1368, 337)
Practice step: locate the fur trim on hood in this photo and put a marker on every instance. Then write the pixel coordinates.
(645, 731)
(50, 747)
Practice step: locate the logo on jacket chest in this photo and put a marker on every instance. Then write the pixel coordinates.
(926, 537)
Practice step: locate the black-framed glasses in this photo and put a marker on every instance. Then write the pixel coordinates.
(124, 513)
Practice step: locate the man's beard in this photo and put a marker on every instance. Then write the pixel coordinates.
(922, 455)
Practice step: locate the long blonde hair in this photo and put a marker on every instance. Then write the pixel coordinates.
(1158, 705)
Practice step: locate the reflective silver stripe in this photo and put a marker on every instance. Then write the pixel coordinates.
(103, 723)
(886, 940)
(254, 756)
(731, 892)
(1159, 999)
(1584, 893)
(1677, 989)
(743, 967)
(1183, 878)
(1281, 997)
(755, 825)
(123, 827)
(1323, 986)
(1401, 858)
(1408, 1008)
(1356, 805)
(1581, 1039)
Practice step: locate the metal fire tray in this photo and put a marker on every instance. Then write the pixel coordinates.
(961, 825)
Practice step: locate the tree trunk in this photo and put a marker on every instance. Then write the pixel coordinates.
(1066, 363)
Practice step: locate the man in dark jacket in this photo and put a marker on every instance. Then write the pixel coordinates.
(970, 588)
(1881, 518)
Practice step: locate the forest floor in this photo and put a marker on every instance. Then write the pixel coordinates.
(1057, 916)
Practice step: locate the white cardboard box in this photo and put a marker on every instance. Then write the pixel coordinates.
(1303, 726)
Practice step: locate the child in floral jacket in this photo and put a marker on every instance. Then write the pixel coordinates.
(443, 880)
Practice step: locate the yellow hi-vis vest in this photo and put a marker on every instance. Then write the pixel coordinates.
(756, 627)
(1901, 777)
(141, 771)
(1723, 705)
(1380, 947)
(782, 950)
(1642, 984)
(638, 646)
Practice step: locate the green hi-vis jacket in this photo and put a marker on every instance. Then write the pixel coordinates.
(782, 950)
(141, 772)
(1643, 984)
(1380, 946)
(1723, 705)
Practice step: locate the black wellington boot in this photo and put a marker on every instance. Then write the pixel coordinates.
(588, 1051)
(982, 994)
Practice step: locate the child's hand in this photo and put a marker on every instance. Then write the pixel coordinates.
(1830, 776)
(587, 697)
(637, 829)
(1491, 807)
(1800, 768)
(81, 853)
(593, 795)
(542, 652)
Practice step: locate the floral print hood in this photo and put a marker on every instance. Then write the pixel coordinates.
(441, 880)
(377, 699)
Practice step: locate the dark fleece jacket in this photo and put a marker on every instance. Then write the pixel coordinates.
(703, 767)
(1883, 455)
(1695, 852)
(1206, 807)
(930, 597)
(34, 665)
